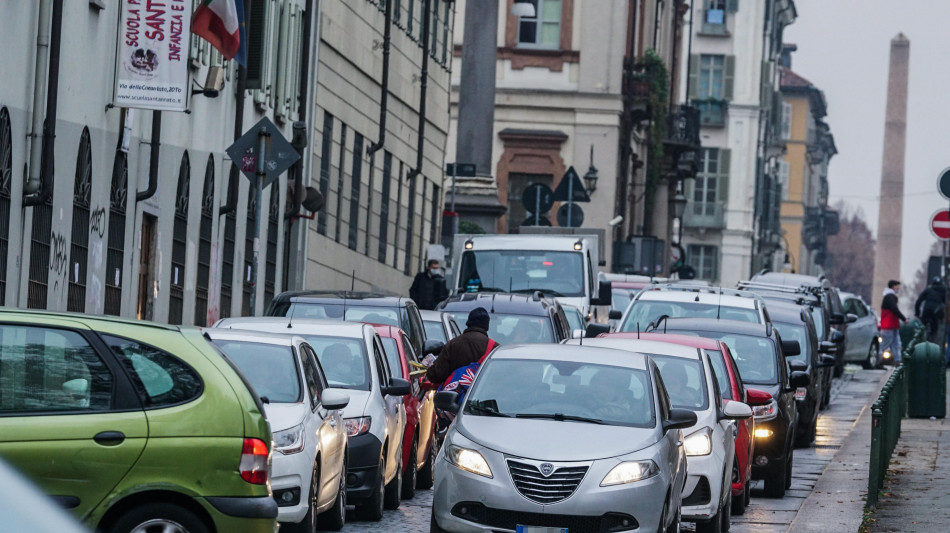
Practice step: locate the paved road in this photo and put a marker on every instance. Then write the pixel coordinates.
(764, 515)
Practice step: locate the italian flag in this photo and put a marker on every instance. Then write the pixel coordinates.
(220, 22)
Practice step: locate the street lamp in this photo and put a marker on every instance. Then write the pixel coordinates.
(524, 8)
(590, 179)
(678, 207)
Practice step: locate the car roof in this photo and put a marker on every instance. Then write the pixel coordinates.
(643, 346)
(572, 352)
(784, 311)
(339, 297)
(711, 324)
(789, 279)
(675, 338)
(727, 300)
(246, 335)
(299, 326)
(499, 302)
(430, 316)
(85, 318)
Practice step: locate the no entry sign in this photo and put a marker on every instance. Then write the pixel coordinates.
(940, 224)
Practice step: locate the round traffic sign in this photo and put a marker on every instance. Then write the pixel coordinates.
(541, 221)
(577, 216)
(943, 183)
(940, 224)
(537, 198)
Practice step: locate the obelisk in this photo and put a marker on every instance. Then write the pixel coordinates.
(887, 254)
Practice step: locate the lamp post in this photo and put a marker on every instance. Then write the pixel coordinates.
(678, 208)
(590, 179)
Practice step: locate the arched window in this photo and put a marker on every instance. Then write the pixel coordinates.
(179, 242)
(79, 244)
(6, 175)
(204, 246)
(115, 257)
(270, 269)
(227, 263)
(249, 252)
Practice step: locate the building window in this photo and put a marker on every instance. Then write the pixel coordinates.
(712, 73)
(115, 257)
(704, 259)
(251, 224)
(79, 243)
(786, 120)
(434, 33)
(544, 29)
(705, 188)
(410, 223)
(6, 177)
(326, 154)
(384, 207)
(273, 226)
(447, 22)
(227, 261)
(518, 215)
(176, 298)
(355, 188)
(338, 216)
(783, 178)
(410, 14)
(204, 246)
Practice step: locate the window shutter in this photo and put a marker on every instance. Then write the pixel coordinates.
(729, 76)
(256, 32)
(724, 160)
(693, 77)
(765, 88)
(732, 6)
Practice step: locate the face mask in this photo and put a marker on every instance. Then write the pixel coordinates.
(434, 271)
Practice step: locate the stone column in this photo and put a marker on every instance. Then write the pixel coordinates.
(476, 108)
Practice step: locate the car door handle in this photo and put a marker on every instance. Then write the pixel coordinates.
(109, 438)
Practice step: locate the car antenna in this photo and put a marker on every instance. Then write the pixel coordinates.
(493, 302)
(290, 322)
(509, 283)
(664, 323)
(638, 330)
(719, 305)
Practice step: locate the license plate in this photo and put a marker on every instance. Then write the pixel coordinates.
(539, 529)
(800, 393)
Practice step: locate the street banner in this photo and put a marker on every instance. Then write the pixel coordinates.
(152, 55)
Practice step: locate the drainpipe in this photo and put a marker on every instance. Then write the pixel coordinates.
(420, 146)
(154, 150)
(384, 97)
(39, 186)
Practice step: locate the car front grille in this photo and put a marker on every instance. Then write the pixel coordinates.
(532, 484)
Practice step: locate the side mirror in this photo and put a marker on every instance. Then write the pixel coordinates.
(757, 397)
(603, 294)
(615, 314)
(799, 379)
(733, 410)
(334, 399)
(791, 348)
(447, 401)
(432, 346)
(798, 366)
(827, 347)
(397, 387)
(594, 330)
(577, 333)
(679, 419)
(827, 361)
(836, 318)
(837, 337)
(851, 317)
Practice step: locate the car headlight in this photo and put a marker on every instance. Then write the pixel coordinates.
(765, 412)
(699, 443)
(357, 426)
(629, 471)
(468, 460)
(288, 441)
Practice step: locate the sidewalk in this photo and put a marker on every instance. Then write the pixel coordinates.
(917, 489)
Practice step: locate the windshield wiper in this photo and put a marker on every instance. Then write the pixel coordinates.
(560, 417)
(542, 291)
(483, 407)
(490, 289)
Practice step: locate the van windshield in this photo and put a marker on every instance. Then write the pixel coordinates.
(554, 273)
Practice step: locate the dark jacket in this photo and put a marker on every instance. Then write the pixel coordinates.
(890, 313)
(428, 290)
(930, 303)
(463, 350)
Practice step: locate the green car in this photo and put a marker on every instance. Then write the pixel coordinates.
(133, 426)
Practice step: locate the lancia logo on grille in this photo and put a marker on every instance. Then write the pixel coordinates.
(546, 469)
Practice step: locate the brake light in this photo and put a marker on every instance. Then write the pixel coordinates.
(254, 459)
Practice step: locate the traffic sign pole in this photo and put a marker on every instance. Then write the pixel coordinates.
(261, 175)
(570, 203)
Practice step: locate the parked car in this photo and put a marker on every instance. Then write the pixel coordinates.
(573, 437)
(760, 353)
(691, 383)
(439, 326)
(692, 301)
(353, 306)
(794, 322)
(353, 358)
(731, 388)
(515, 318)
(93, 407)
(308, 473)
(418, 445)
(861, 345)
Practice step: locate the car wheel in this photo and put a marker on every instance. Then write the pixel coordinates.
(427, 473)
(748, 493)
(874, 358)
(664, 517)
(158, 517)
(372, 508)
(775, 484)
(309, 522)
(674, 526)
(393, 488)
(788, 470)
(713, 525)
(738, 503)
(334, 518)
(727, 512)
(409, 476)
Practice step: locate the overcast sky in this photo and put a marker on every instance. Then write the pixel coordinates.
(843, 48)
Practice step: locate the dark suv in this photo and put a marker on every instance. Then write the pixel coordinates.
(515, 318)
(760, 354)
(353, 306)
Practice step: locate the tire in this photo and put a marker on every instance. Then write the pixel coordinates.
(391, 496)
(713, 525)
(159, 516)
(674, 526)
(334, 518)
(748, 493)
(426, 476)
(873, 359)
(775, 485)
(737, 506)
(309, 522)
(664, 516)
(788, 470)
(372, 508)
(727, 511)
(410, 474)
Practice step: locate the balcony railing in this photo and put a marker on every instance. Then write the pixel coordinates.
(682, 128)
(705, 216)
(711, 112)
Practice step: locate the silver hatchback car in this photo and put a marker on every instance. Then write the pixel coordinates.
(565, 437)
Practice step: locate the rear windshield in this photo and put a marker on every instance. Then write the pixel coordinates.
(434, 330)
(755, 356)
(643, 312)
(271, 369)
(685, 381)
(517, 329)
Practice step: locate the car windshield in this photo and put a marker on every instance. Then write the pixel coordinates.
(573, 318)
(600, 393)
(794, 332)
(685, 381)
(434, 330)
(271, 369)
(555, 273)
(718, 363)
(343, 359)
(643, 312)
(392, 354)
(387, 316)
(517, 329)
(755, 356)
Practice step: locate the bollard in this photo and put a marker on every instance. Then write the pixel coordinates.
(875, 476)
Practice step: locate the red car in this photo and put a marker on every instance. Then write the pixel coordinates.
(418, 446)
(730, 388)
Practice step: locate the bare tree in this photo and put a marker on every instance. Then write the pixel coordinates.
(852, 252)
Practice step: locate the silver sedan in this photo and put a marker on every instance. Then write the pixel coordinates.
(573, 437)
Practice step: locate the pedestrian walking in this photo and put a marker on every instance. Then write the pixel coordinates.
(428, 287)
(891, 318)
(929, 307)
